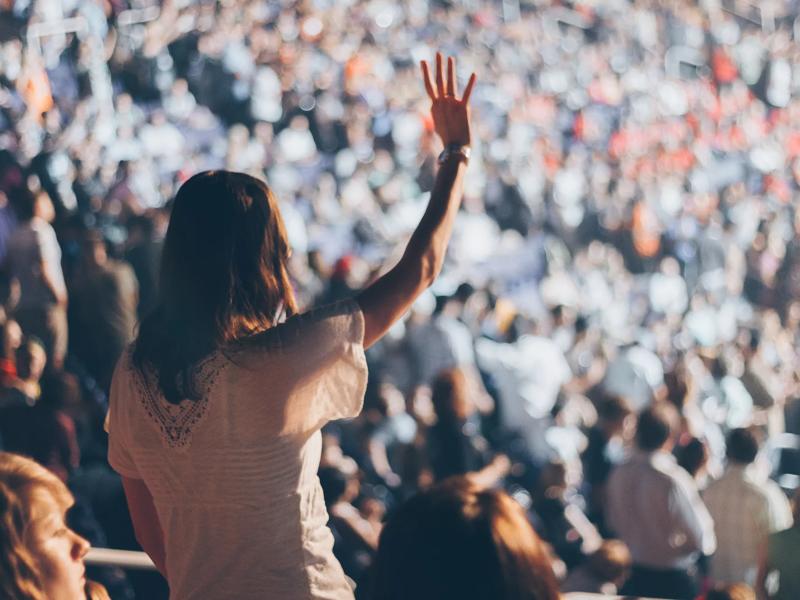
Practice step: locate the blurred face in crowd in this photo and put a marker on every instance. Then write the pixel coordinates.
(59, 551)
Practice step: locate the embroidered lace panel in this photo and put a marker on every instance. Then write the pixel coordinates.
(177, 422)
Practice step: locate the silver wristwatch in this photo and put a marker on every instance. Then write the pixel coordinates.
(459, 150)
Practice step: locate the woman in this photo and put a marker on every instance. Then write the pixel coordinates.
(40, 557)
(461, 540)
(215, 415)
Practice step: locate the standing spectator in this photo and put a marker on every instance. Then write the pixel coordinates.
(34, 261)
(105, 295)
(654, 507)
(746, 507)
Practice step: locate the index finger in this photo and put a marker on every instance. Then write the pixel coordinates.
(426, 78)
(468, 89)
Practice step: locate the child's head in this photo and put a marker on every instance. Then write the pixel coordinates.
(41, 556)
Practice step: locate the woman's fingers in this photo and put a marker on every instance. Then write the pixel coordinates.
(468, 89)
(426, 78)
(439, 75)
(451, 78)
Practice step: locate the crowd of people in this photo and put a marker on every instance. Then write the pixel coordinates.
(613, 340)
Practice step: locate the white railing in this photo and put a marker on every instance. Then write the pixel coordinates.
(127, 559)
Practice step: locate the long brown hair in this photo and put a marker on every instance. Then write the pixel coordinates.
(223, 276)
(22, 481)
(459, 540)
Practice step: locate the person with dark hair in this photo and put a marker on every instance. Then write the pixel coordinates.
(461, 540)
(653, 505)
(746, 506)
(142, 252)
(215, 414)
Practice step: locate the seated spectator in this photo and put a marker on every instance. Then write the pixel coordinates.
(779, 567)
(604, 573)
(746, 507)
(460, 540)
(41, 556)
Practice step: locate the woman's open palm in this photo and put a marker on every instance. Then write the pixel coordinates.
(450, 115)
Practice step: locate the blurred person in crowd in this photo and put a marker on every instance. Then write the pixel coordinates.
(461, 540)
(34, 261)
(105, 295)
(604, 449)
(693, 456)
(391, 438)
(216, 342)
(355, 537)
(564, 525)
(40, 556)
(778, 575)
(455, 443)
(25, 389)
(604, 572)
(746, 507)
(32, 419)
(653, 505)
(10, 341)
(142, 252)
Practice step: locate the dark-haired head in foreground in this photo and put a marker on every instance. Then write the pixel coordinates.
(223, 275)
(459, 540)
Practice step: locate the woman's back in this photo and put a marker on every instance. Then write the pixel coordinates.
(233, 475)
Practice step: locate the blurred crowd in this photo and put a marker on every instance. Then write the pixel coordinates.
(629, 244)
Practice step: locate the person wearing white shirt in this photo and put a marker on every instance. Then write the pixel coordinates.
(746, 507)
(653, 505)
(34, 262)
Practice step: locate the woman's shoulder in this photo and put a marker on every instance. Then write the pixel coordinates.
(341, 321)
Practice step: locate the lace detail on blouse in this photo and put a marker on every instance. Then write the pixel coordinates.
(177, 422)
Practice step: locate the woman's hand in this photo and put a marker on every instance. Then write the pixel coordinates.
(450, 115)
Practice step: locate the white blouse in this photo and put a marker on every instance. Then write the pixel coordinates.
(234, 474)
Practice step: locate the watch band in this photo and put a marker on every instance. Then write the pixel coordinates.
(461, 151)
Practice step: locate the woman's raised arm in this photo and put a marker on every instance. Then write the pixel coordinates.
(388, 298)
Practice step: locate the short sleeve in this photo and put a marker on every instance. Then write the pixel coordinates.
(326, 347)
(116, 423)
